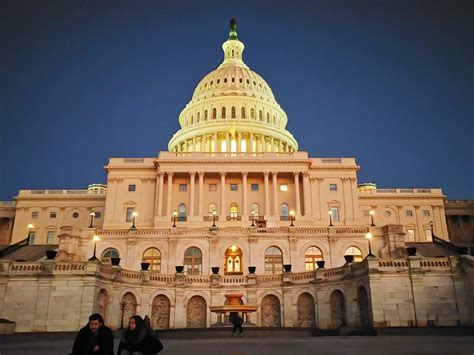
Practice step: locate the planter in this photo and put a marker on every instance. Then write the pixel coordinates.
(145, 266)
(411, 251)
(252, 269)
(287, 267)
(115, 261)
(179, 269)
(51, 254)
(320, 264)
(215, 269)
(349, 258)
(462, 250)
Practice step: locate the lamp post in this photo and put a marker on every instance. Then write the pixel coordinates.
(432, 229)
(134, 215)
(368, 236)
(330, 218)
(214, 218)
(371, 212)
(292, 218)
(30, 227)
(175, 214)
(253, 219)
(95, 239)
(122, 308)
(92, 214)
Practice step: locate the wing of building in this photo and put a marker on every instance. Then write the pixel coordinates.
(233, 207)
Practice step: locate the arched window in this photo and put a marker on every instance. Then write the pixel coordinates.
(356, 252)
(260, 115)
(192, 119)
(153, 257)
(109, 253)
(284, 212)
(214, 113)
(232, 112)
(233, 261)
(311, 256)
(252, 113)
(268, 117)
(273, 260)
(212, 208)
(193, 261)
(205, 115)
(198, 117)
(182, 212)
(242, 112)
(234, 211)
(223, 112)
(255, 209)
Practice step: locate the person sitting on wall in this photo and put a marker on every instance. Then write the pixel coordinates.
(237, 321)
(94, 339)
(138, 339)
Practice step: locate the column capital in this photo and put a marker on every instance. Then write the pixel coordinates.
(296, 173)
(160, 173)
(223, 173)
(305, 173)
(192, 173)
(266, 173)
(345, 179)
(244, 173)
(319, 178)
(201, 173)
(170, 173)
(275, 173)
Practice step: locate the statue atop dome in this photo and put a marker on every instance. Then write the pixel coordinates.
(233, 29)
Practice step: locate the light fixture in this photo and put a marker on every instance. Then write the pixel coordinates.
(253, 218)
(292, 218)
(369, 236)
(30, 227)
(95, 239)
(371, 212)
(233, 248)
(92, 214)
(330, 218)
(175, 214)
(134, 214)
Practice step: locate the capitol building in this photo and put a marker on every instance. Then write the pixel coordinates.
(233, 217)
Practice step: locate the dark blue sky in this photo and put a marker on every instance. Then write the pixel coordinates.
(387, 82)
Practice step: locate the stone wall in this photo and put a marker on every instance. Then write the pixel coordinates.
(414, 291)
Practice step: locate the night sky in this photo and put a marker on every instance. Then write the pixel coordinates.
(387, 82)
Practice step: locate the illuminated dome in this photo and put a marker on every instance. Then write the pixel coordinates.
(233, 110)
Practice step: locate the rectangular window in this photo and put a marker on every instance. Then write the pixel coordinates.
(429, 235)
(409, 213)
(411, 235)
(254, 187)
(97, 214)
(332, 187)
(283, 187)
(426, 213)
(52, 214)
(132, 188)
(129, 217)
(233, 187)
(34, 215)
(212, 187)
(50, 238)
(183, 187)
(335, 214)
(31, 241)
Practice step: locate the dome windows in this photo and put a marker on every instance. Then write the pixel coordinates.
(205, 115)
(233, 79)
(248, 81)
(225, 80)
(214, 113)
(223, 113)
(240, 80)
(212, 82)
(218, 81)
(232, 112)
(268, 117)
(242, 112)
(254, 83)
(252, 113)
(260, 115)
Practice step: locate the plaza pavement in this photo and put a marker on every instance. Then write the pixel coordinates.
(52, 344)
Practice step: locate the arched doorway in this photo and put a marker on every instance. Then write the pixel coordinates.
(364, 310)
(196, 312)
(311, 257)
(153, 257)
(305, 311)
(273, 260)
(102, 300)
(160, 312)
(234, 211)
(270, 311)
(338, 309)
(233, 261)
(130, 302)
(193, 261)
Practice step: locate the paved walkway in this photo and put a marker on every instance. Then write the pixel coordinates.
(353, 345)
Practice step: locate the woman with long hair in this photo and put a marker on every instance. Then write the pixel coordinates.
(138, 339)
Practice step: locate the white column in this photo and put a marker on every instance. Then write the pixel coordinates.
(192, 177)
(201, 194)
(159, 211)
(250, 149)
(170, 184)
(297, 193)
(316, 209)
(267, 195)
(275, 193)
(223, 209)
(215, 143)
(227, 142)
(306, 194)
(244, 193)
(239, 142)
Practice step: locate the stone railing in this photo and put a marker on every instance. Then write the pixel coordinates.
(116, 273)
(400, 191)
(60, 192)
(7, 203)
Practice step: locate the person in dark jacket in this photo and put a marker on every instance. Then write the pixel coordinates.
(237, 321)
(138, 339)
(94, 339)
